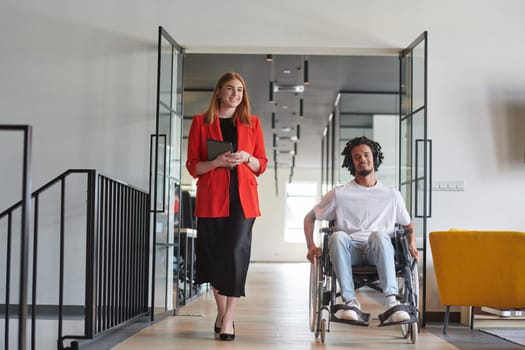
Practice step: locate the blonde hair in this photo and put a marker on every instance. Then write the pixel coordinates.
(243, 110)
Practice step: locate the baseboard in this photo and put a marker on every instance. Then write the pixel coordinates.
(118, 334)
(439, 316)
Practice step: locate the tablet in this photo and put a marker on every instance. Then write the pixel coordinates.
(217, 147)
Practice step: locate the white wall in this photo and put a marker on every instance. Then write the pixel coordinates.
(84, 75)
(268, 234)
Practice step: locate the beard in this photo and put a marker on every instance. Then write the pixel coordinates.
(364, 172)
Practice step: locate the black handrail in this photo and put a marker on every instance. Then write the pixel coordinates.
(116, 254)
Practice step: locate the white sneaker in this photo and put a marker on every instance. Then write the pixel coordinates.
(350, 315)
(397, 316)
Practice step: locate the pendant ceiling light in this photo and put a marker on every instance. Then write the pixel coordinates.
(306, 77)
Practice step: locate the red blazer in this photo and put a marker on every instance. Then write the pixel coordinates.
(213, 197)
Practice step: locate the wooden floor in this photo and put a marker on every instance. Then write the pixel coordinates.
(274, 315)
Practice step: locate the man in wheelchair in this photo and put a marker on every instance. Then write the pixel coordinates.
(364, 213)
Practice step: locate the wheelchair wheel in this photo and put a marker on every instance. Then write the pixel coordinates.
(410, 331)
(415, 285)
(323, 329)
(413, 295)
(313, 295)
(405, 330)
(410, 296)
(414, 329)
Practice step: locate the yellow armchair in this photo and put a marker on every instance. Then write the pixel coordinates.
(479, 268)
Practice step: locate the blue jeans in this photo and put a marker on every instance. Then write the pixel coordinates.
(378, 251)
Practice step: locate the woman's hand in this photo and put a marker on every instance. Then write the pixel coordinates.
(230, 160)
(237, 158)
(225, 160)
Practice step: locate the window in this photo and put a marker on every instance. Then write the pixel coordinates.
(300, 198)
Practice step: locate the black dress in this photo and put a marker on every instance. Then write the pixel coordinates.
(224, 244)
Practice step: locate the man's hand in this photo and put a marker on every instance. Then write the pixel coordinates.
(413, 251)
(313, 251)
(411, 237)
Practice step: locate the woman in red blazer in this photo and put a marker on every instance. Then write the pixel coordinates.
(227, 201)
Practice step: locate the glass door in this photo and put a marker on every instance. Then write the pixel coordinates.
(165, 173)
(415, 147)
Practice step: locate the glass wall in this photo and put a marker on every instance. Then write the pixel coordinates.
(165, 173)
(375, 116)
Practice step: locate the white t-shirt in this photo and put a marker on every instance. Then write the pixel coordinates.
(360, 210)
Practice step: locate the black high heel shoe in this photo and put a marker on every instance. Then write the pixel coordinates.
(216, 329)
(228, 336)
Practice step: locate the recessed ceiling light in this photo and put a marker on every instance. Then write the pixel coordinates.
(287, 71)
(288, 88)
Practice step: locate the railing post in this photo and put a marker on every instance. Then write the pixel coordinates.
(24, 239)
(91, 263)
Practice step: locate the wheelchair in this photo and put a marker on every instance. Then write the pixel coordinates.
(324, 288)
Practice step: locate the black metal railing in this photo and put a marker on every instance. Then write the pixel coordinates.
(114, 258)
(24, 205)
